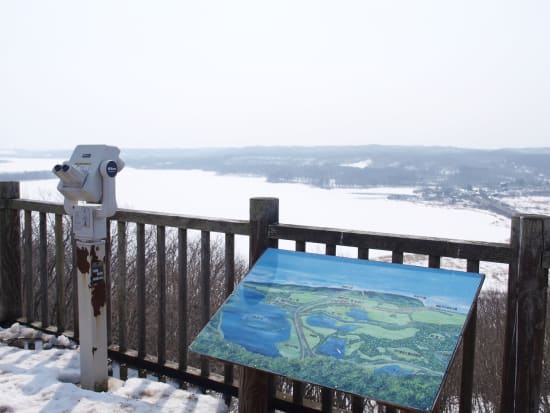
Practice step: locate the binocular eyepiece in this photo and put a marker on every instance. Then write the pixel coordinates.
(89, 177)
(69, 175)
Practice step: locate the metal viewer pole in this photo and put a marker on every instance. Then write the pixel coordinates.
(87, 181)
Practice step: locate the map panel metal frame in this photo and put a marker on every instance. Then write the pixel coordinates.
(388, 332)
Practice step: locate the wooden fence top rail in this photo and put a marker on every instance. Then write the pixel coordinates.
(224, 225)
(483, 251)
(231, 226)
(473, 250)
(39, 206)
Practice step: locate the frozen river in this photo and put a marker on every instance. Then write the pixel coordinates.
(193, 192)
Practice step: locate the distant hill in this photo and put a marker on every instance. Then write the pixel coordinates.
(363, 166)
(473, 177)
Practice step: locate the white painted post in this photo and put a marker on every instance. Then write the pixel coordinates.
(92, 314)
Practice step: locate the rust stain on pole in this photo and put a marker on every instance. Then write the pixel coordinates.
(93, 253)
(98, 288)
(82, 260)
(98, 297)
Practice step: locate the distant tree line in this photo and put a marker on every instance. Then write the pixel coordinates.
(387, 165)
(502, 170)
(25, 176)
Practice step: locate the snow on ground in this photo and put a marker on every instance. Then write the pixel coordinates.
(46, 380)
(361, 164)
(530, 204)
(496, 274)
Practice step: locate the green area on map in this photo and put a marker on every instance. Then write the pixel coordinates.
(388, 346)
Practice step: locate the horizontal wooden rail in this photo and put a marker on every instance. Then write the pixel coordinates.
(171, 369)
(228, 226)
(39, 206)
(223, 225)
(441, 247)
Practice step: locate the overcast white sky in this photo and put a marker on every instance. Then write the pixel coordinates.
(180, 73)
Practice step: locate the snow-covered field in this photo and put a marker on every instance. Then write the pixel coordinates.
(46, 380)
(193, 192)
(530, 204)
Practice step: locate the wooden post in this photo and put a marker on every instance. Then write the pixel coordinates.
(255, 386)
(60, 272)
(10, 254)
(263, 212)
(27, 269)
(182, 299)
(122, 286)
(525, 315)
(468, 353)
(140, 275)
(229, 272)
(205, 276)
(44, 271)
(161, 289)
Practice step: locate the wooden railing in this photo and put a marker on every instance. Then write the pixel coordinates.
(26, 278)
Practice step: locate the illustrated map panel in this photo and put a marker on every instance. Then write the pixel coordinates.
(383, 331)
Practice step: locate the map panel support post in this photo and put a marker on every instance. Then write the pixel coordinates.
(256, 387)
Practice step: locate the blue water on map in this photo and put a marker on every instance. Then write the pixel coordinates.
(256, 326)
(393, 369)
(321, 320)
(358, 314)
(453, 289)
(333, 347)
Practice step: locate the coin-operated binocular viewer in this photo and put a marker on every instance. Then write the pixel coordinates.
(87, 181)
